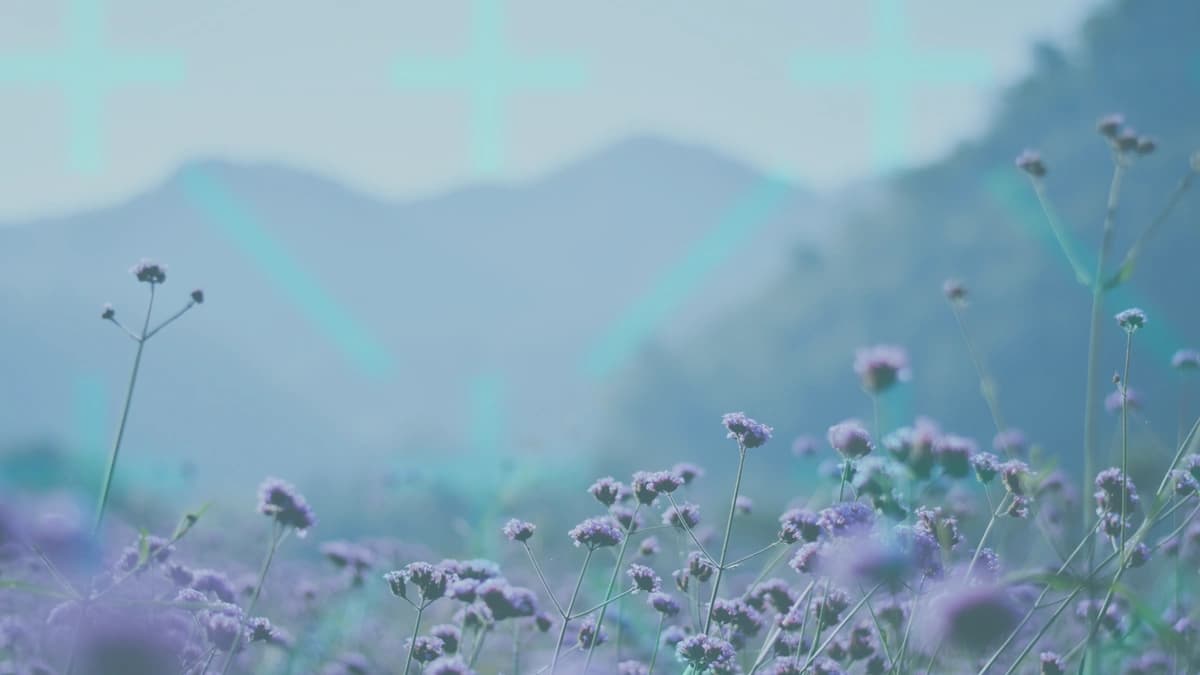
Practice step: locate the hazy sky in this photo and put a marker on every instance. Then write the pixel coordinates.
(101, 99)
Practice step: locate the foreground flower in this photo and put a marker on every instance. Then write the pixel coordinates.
(747, 432)
(595, 533)
(280, 500)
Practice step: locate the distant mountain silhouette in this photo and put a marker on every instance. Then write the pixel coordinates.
(343, 332)
(785, 356)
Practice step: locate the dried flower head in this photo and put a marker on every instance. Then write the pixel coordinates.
(150, 272)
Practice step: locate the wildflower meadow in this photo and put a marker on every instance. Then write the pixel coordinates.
(919, 550)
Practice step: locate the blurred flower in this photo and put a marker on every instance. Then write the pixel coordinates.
(450, 636)
(881, 366)
(955, 291)
(506, 601)
(280, 500)
(1123, 396)
(687, 471)
(425, 649)
(1031, 163)
(986, 467)
(954, 454)
(1146, 145)
(1110, 125)
(1052, 664)
(850, 439)
(648, 547)
(1010, 442)
(846, 518)
(663, 604)
(108, 312)
(974, 618)
(198, 296)
(150, 272)
(211, 581)
(588, 637)
(685, 516)
(1186, 359)
(743, 504)
(799, 524)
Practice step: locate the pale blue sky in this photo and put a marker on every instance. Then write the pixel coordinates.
(321, 86)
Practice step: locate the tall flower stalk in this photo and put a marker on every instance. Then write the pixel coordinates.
(152, 274)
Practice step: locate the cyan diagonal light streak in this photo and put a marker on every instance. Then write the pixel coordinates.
(890, 68)
(238, 222)
(738, 224)
(1013, 192)
(86, 71)
(488, 73)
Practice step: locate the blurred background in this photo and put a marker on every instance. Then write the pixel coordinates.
(464, 256)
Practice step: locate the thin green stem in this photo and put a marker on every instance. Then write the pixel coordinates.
(562, 632)
(1039, 187)
(1125, 435)
(757, 553)
(478, 648)
(580, 615)
(840, 625)
(770, 566)
(413, 640)
(612, 583)
(983, 538)
(1094, 335)
(538, 569)
(687, 528)
(737, 486)
(110, 471)
(278, 532)
(662, 620)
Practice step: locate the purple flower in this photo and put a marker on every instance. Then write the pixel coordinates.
(648, 547)
(606, 490)
(632, 668)
(743, 504)
(1186, 359)
(644, 578)
(425, 648)
(705, 651)
(976, 617)
(699, 566)
(1030, 161)
(955, 291)
(846, 518)
(986, 467)
(685, 516)
(850, 439)
(626, 517)
(1019, 507)
(596, 533)
(663, 604)
(1110, 125)
(954, 454)
(799, 524)
(1139, 556)
(775, 592)
(450, 636)
(1146, 145)
(211, 581)
(1010, 442)
(1052, 664)
(1123, 395)
(150, 272)
(506, 601)
(687, 471)
(519, 530)
(804, 446)
(808, 559)
(648, 485)
(1110, 485)
(447, 665)
(588, 637)
(431, 581)
(222, 629)
(747, 432)
(880, 367)
(738, 614)
(260, 629)
(1131, 319)
(938, 525)
(281, 501)
(1015, 475)
(108, 313)
(829, 607)
(345, 554)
